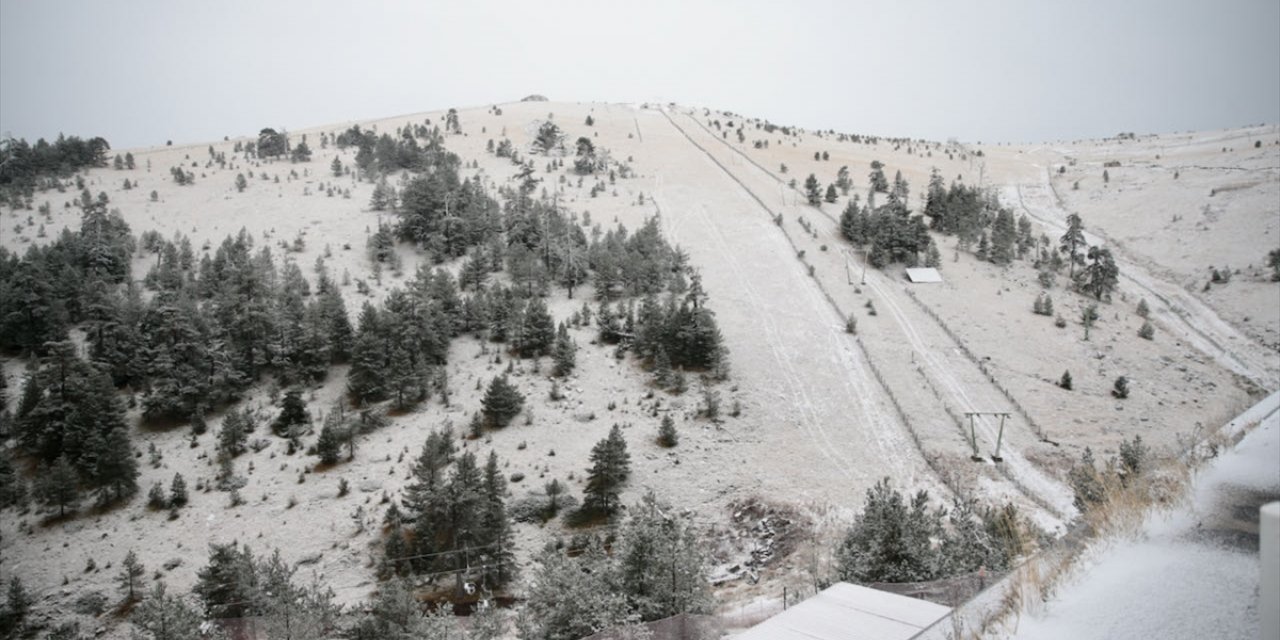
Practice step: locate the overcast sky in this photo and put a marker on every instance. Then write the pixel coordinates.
(142, 71)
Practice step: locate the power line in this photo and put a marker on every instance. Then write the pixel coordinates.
(441, 553)
(416, 575)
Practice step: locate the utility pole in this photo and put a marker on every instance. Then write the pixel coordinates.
(848, 269)
(973, 434)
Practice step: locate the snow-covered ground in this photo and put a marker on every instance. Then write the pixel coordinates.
(1190, 573)
(824, 414)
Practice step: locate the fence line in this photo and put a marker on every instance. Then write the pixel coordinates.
(964, 349)
(682, 626)
(875, 370)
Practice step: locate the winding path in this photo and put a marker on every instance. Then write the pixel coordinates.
(1178, 310)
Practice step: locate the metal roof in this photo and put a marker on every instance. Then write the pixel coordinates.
(849, 612)
(924, 274)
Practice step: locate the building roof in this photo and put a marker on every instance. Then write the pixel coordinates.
(849, 612)
(924, 274)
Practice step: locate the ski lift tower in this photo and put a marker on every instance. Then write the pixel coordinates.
(973, 433)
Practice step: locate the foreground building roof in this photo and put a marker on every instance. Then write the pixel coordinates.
(850, 612)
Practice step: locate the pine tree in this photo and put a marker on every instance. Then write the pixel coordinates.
(228, 585)
(289, 610)
(1101, 275)
(198, 425)
(1071, 241)
(394, 551)
(667, 435)
(499, 558)
(382, 245)
(1086, 482)
(663, 374)
(13, 616)
(549, 138)
(891, 541)
(155, 497)
(662, 563)
(933, 258)
(178, 491)
(383, 197)
(585, 163)
(575, 597)
(301, 153)
(898, 194)
(130, 576)
(69, 408)
(538, 330)
(501, 402)
(831, 195)
(365, 379)
(475, 270)
(394, 612)
(1144, 311)
(1088, 316)
(1043, 305)
(428, 471)
(555, 498)
(329, 443)
(564, 354)
(610, 466)
(406, 376)
(1133, 455)
(188, 366)
(234, 434)
(1065, 381)
(1003, 237)
(878, 182)
(970, 546)
(241, 182)
(336, 167)
(13, 491)
(1025, 240)
(851, 223)
(812, 190)
(338, 324)
(166, 617)
(293, 413)
(116, 473)
(58, 487)
(453, 518)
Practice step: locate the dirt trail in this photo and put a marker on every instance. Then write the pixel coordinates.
(788, 345)
(1179, 311)
(960, 383)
